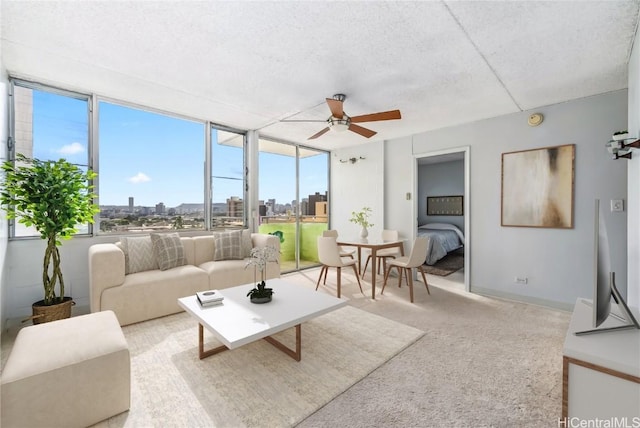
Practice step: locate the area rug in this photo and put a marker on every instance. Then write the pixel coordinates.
(254, 385)
(452, 262)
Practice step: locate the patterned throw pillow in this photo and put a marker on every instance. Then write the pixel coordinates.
(138, 254)
(247, 244)
(168, 250)
(228, 245)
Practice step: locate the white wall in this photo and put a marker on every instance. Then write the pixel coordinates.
(24, 272)
(634, 179)
(357, 185)
(4, 133)
(440, 179)
(398, 181)
(557, 262)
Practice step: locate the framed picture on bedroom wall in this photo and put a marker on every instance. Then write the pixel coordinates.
(444, 205)
(538, 187)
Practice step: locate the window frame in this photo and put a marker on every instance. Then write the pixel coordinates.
(11, 143)
(96, 152)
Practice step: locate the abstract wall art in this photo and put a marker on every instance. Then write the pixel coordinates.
(538, 186)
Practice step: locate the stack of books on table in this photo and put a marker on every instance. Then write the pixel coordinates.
(209, 298)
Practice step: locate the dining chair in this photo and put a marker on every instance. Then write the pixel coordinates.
(343, 251)
(385, 253)
(407, 263)
(329, 255)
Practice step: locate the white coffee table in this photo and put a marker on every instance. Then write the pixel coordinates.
(238, 321)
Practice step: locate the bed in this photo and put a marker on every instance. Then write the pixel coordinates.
(443, 238)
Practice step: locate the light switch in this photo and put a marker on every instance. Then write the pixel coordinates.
(617, 205)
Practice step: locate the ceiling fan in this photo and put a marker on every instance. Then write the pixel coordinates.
(339, 121)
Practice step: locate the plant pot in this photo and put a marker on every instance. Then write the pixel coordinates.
(45, 313)
(364, 233)
(259, 300)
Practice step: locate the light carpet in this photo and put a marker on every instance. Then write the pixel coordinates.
(254, 385)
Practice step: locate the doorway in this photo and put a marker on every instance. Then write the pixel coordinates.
(293, 193)
(442, 189)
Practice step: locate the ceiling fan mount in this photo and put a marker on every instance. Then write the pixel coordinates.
(339, 121)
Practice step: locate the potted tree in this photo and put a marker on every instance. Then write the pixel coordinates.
(54, 197)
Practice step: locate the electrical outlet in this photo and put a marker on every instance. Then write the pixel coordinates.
(522, 281)
(617, 205)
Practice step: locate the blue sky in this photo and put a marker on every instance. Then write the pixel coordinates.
(157, 158)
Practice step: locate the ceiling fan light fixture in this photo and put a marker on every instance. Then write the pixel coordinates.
(339, 125)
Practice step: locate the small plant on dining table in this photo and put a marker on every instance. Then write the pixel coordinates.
(361, 217)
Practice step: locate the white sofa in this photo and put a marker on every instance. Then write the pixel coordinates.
(140, 296)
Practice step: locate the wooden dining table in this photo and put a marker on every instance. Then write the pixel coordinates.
(374, 245)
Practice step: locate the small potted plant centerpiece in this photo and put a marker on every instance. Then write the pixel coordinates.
(260, 256)
(53, 197)
(361, 218)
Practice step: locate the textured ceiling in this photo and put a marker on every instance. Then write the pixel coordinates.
(249, 64)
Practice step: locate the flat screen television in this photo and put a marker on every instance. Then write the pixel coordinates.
(604, 287)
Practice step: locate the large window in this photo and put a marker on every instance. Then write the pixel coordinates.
(227, 179)
(293, 186)
(157, 171)
(151, 171)
(49, 124)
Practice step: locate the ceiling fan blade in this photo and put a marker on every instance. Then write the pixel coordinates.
(317, 134)
(385, 115)
(336, 107)
(362, 131)
(304, 120)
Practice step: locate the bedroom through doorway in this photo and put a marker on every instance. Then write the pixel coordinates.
(442, 213)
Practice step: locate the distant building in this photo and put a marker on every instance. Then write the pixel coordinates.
(130, 204)
(270, 206)
(321, 209)
(160, 208)
(235, 207)
(313, 199)
(304, 207)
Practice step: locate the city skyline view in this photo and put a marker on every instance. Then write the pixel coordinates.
(157, 158)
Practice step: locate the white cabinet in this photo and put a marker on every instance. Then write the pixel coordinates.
(601, 372)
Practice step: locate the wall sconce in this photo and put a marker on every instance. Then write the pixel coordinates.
(619, 149)
(352, 160)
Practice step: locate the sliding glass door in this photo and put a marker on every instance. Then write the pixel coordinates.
(293, 184)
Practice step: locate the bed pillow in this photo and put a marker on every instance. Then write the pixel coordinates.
(168, 250)
(441, 226)
(138, 254)
(228, 245)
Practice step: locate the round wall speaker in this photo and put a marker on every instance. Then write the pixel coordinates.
(535, 119)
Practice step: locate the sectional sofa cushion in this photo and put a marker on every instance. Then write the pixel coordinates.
(138, 254)
(228, 245)
(168, 250)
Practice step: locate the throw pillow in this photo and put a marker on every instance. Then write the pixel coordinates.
(168, 250)
(228, 245)
(138, 254)
(247, 244)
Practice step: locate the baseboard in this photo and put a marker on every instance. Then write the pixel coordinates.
(17, 322)
(568, 307)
